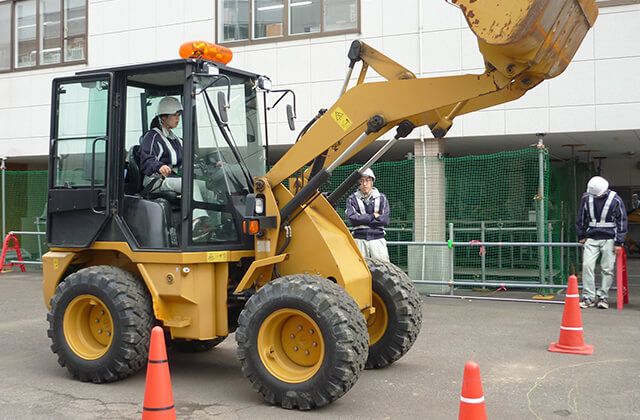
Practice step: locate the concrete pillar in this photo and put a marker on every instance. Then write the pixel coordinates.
(429, 262)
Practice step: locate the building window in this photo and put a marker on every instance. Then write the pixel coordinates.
(305, 17)
(25, 33)
(42, 33)
(245, 21)
(5, 36)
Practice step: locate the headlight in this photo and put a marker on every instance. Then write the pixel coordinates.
(211, 69)
(264, 83)
(259, 205)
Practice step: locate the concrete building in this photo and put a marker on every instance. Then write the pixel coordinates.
(302, 45)
(594, 102)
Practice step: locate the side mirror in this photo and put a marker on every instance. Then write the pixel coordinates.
(290, 117)
(222, 106)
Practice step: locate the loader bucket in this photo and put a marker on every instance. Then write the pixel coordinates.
(534, 37)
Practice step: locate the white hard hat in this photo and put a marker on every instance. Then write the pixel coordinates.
(169, 105)
(597, 186)
(368, 172)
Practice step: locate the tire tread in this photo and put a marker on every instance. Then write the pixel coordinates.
(347, 325)
(135, 316)
(407, 305)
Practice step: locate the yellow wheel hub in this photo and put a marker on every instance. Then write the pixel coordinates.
(290, 345)
(88, 327)
(378, 322)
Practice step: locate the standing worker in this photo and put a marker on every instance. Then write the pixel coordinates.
(368, 213)
(601, 226)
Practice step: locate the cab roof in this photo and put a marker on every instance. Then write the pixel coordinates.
(168, 65)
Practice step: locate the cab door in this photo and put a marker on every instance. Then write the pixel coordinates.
(78, 199)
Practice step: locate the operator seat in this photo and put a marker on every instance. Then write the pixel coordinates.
(133, 181)
(142, 208)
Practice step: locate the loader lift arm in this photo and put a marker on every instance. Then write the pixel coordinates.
(513, 67)
(523, 43)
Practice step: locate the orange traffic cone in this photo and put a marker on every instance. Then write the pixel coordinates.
(571, 339)
(158, 396)
(472, 398)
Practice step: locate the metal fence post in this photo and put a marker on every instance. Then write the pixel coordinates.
(483, 255)
(500, 226)
(562, 273)
(540, 197)
(451, 258)
(550, 250)
(38, 237)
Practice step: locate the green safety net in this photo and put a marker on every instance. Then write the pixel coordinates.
(493, 197)
(568, 182)
(501, 197)
(490, 198)
(25, 199)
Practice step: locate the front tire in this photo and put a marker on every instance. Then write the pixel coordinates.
(100, 324)
(302, 341)
(395, 325)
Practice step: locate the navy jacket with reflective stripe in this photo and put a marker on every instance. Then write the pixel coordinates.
(616, 214)
(367, 226)
(154, 153)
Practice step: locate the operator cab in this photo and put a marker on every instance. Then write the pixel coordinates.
(96, 189)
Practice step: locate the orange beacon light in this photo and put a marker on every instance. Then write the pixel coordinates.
(206, 50)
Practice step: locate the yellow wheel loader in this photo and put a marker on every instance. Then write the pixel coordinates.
(274, 262)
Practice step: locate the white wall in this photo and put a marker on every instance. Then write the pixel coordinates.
(599, 91)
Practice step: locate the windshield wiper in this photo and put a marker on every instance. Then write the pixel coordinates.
(224, 129)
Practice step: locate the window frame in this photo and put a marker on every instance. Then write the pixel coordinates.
(286, 27)
(613, 3)
(38, 66)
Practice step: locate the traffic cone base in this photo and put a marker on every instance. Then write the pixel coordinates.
(559, 348)
(158, 396)
(571, 339)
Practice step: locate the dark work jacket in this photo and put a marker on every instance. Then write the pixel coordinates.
(616, 217)
(155, 152)
(366, 226)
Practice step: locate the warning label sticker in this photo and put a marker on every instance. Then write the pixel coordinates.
(341, 118)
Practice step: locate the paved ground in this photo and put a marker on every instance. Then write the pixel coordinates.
(509, 340)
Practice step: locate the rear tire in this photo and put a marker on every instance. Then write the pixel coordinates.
(395, 325)
(302, 341)
(100, 324)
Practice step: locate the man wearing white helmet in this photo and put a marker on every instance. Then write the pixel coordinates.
(368, 213)
(601, 226)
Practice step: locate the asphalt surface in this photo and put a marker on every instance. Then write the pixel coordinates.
(509, 340)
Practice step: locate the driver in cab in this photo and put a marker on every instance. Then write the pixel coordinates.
(161, 157)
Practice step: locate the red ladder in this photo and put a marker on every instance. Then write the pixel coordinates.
(622, 284)
(15, 247)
